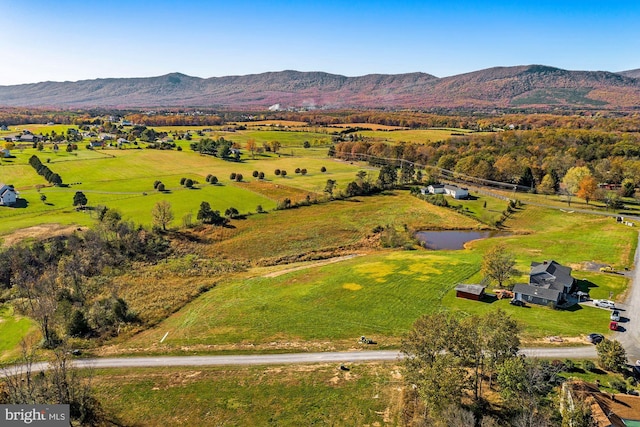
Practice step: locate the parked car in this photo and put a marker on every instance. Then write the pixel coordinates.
(595, 338)
(615, 316)
(613, 326)
(607, 269)
(604, 303)
(517, 302)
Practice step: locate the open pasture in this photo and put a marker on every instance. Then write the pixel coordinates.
(381, 294)
(294, 234)
(368, 126)
(335, 224)
(419, 136)
(378, 295)
(123, 179)
(270, 123)
(322, 394)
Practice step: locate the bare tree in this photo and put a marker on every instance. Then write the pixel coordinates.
(58, 382)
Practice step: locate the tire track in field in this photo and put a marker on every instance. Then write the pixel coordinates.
(315, 264)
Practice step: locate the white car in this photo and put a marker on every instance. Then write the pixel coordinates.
(604, 303)
(615, 316)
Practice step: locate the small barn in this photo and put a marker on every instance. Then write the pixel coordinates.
(473, 292)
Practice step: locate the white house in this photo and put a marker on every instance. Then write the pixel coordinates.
(8, 195)
(456, 192)
(449, 190)
(435, 189)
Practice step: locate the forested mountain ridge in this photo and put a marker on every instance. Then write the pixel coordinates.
(535, 86)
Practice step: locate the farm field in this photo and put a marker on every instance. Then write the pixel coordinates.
(288, 236)
(368, 394)
(380, 294)
(123, 179)
(420, 136)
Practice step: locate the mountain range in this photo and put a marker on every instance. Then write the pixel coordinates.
(529, 86)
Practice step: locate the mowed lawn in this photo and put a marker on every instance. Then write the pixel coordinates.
(378, 295)
(317, 394)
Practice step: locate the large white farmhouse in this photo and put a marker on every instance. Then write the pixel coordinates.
(450, 190)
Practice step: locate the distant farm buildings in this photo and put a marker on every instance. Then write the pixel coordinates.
(448, 189)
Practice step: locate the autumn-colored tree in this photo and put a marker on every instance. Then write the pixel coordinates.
(275, 146)
(498, 264)
(162, 214)
(547, 185)
(572, 178)
(508, 169)
(252, 147)
(587, 188)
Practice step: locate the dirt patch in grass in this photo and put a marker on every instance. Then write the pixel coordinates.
(39, 232)
(315, 264)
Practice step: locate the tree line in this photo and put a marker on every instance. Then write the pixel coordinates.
(517, 157)
(43, 170)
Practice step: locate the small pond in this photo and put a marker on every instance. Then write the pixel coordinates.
(453, 239)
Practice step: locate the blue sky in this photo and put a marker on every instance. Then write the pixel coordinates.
(72, 40)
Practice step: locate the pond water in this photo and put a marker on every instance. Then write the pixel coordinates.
(453, 239)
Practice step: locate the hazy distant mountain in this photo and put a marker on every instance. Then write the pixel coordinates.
(635, 74)
(522, 86)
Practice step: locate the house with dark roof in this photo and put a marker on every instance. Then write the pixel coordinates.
(8, 195)
(549, 284)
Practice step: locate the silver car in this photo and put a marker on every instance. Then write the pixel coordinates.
(604, 303)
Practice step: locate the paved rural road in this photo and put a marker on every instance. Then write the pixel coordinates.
(346, 357)
(630, 312)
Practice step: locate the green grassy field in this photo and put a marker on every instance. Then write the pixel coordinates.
(331, 303)
(13, 329)
(266, 239)
(123, 179)
(242, 396)
(381, 294)
(334, 224)
(420, 136)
